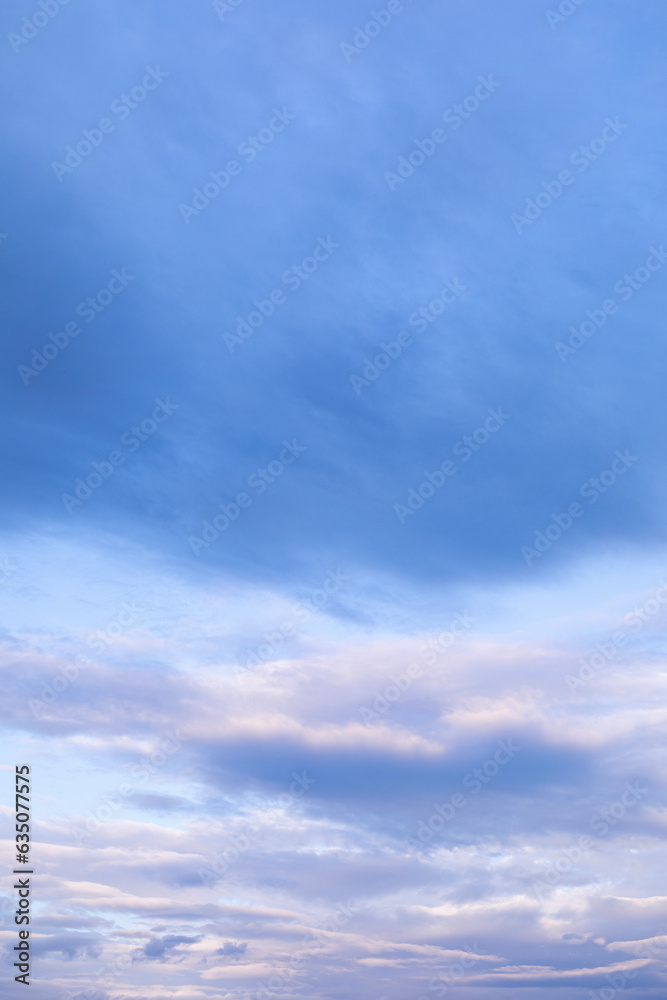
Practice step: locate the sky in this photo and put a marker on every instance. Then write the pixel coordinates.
(332, 560)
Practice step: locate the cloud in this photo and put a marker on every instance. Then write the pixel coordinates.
(232, 950)
(160, 947)
(70, 945)
(363, 454)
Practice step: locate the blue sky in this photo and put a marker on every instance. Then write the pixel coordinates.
(382, 397)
